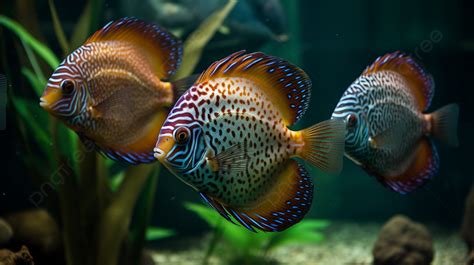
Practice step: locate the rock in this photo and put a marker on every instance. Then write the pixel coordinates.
(467, 228)
(403, 242)
(6, 232)
(22, 257)
(36, 229)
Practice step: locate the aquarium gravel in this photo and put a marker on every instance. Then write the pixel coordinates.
(347, 243)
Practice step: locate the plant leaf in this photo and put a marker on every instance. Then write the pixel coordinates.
(143, 214)
(236, 235)
(58, 29)
(195, 43)
(155, 233)
(303, 232)
(116, 180)
(34, 63)
(31, 114)
(312, 224)
(81, 30)
(37, 46)
(96, 8)
(35, 82)
(207, 214)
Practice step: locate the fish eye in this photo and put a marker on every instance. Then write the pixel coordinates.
(181, 135)
(67, 86)
(351, 120)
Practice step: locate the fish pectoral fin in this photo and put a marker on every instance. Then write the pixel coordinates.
(233, 159)
(389, 138)
(95, 113)
(284, 205)
(424, 165)
(386, 140)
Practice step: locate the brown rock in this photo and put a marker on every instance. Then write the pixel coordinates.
(36, 229)
(467, 229)
(22, 257)
(403, 242)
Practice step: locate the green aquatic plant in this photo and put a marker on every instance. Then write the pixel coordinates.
(194, 45)
(96, 201)
(245, 247)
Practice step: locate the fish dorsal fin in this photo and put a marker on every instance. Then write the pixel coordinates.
(421, 84)
(286, 85)
(284, 205)
(162, 48)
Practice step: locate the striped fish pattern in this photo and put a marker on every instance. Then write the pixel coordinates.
(228, 138)
(387, 131)
(110, 90)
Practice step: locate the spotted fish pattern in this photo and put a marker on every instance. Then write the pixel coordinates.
(228, 138)
(111, 90)
(388, 134)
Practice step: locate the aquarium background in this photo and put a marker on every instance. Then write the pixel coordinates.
(333, 41)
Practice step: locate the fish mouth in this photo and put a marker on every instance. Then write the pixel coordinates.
(162, 148)
(44, 103)
(158, 154)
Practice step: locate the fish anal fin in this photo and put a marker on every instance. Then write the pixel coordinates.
(140, 151)
(287, 86)
(425, 166)
(284, 205)
(420, 83)
(162, 48)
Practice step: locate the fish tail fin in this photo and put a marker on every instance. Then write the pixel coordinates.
(181, 85)
(445, 124)
(324, 145)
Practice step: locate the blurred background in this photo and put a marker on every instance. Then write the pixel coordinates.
(333, 41)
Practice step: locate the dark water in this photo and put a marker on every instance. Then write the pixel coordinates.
(333, 41)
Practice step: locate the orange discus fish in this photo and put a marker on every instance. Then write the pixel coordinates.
(228, 138)
(111, 90)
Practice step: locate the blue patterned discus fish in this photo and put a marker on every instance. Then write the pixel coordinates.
(388, 131)
(112, 89)
(228, 138)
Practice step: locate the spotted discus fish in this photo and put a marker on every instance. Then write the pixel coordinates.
(388, 133)
(111, 89)
(227, 137)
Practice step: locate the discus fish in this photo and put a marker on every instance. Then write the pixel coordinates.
(227, 137)
(111, 89)
(389, 133)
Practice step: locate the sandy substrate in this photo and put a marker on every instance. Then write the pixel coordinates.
(345, 244)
